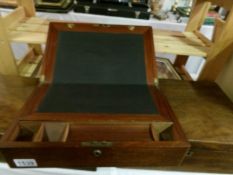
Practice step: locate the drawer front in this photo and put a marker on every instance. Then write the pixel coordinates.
(96, 156)
(68, 144)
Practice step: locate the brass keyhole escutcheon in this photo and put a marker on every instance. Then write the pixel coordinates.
(97, 153)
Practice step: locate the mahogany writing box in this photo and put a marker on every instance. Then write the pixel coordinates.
(98, 105)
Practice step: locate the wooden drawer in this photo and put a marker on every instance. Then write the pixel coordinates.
(93, 144)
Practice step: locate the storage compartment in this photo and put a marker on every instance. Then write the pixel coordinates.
(35, 131)
(120, 132)
(41, 132)
(25, 131)
(101, 143)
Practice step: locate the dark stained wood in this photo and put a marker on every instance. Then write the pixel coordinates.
(179, 65)
(206, 116)
(180, 61)
(110, 156)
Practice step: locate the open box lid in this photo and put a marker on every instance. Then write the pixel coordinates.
(99, 69)
(99, 54)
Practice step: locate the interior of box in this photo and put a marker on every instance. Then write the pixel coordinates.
(28, 131)
(117, 59)
(125, 99)
(99, 78)
(103, 78)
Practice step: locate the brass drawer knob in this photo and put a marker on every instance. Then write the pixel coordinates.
(97, 153)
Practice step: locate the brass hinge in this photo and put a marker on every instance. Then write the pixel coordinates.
(70, 25)
(156, 82)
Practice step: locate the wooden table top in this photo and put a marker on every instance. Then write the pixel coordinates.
(13, 93)
(204, 112)
(206, 116)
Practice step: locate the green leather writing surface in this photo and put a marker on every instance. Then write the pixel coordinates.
(99, 73)
(100, 58)
(98, 99)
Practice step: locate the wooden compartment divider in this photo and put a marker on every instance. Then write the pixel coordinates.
(38, 136)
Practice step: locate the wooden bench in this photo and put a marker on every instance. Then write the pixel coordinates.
(193, 43)
(21, 26)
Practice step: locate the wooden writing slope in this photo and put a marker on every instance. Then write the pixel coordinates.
(99, 105)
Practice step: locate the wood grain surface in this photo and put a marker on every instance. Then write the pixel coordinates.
(206, 116)
(13, 93)
(205, 127)
(201, 105)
